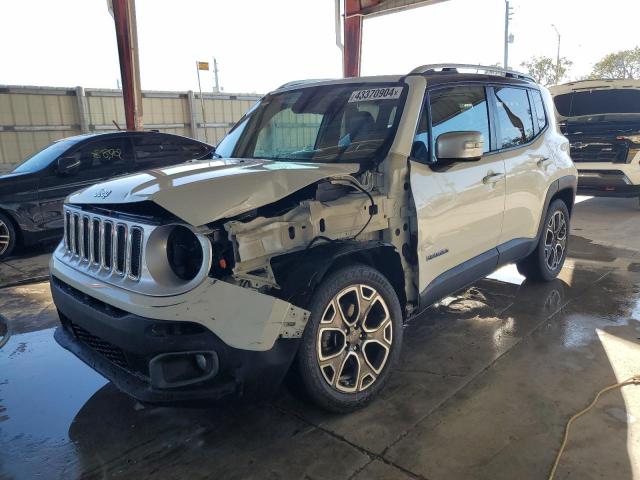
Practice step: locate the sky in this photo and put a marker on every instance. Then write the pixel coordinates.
(260, 45)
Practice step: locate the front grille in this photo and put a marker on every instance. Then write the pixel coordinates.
(136, 252)
(599, 152)
(99, 242)
(85, 238)
(107, 245)
(109, 351)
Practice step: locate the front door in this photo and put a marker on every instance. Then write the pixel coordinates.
(97, 160)
(459, 204)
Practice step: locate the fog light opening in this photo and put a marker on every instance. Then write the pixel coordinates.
(179, 369)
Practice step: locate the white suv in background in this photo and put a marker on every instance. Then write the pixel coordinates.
(336, 212)
(601, 119)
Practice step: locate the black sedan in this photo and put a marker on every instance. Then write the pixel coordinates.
(31, 196)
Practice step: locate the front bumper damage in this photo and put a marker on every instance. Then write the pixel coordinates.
(207, 344)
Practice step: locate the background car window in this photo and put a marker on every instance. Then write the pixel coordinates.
(103, 157)
(158, 150)
(454, 109)
(44, 157)
(514, 117)
(539, 106)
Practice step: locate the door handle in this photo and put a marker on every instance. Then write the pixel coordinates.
(543, 161)
(492, 177)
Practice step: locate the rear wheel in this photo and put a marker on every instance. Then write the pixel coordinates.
(546, 261)
(352, 340)
(7, 236)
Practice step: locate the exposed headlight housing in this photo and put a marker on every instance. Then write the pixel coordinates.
(184, 253)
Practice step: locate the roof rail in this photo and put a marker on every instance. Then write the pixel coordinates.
(455, 67)
(298, 83)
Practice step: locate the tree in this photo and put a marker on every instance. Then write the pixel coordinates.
(544, 69)
(623, 64)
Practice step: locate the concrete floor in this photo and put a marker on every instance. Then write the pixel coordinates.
(487, 380)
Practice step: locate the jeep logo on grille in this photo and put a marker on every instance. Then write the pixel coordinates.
(102, 193)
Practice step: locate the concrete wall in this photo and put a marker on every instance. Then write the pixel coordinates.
(33, 117)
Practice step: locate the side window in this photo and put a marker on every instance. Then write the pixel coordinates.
(453, 109)
(158, 150)
(514, 117)
(103, 157)
(541, 118)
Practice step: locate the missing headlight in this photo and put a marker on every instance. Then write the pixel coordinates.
(184, 253)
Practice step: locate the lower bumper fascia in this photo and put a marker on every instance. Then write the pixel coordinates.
(241, 374)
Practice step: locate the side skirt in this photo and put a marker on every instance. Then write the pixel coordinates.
(475, 269)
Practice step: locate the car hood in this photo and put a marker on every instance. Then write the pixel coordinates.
(203, 191)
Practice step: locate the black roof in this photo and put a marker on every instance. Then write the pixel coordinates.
(125, 133)
(439, 78)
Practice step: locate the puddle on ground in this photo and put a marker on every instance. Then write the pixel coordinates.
(42, 387)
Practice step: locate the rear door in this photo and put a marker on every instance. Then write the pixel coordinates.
(528, 160)
(97, 160)
(459, 204)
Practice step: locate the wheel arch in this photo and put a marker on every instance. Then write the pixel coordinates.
(564, 188)
(16, 226)
(299, 273)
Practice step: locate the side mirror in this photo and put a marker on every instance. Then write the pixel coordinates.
(459, 146)
(68, 165)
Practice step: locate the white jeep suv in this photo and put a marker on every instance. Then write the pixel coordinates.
(336, 212)
(601, 119)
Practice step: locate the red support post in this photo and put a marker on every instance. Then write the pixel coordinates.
(124, 18)
(352, 38)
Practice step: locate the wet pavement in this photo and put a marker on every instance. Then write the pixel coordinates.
(27, 266)
(487, 381)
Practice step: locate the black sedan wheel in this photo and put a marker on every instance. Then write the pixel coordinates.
(7, 236)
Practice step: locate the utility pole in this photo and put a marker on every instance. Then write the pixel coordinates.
(216, 87)
(202, 66)
(557, 55)
(507, 38)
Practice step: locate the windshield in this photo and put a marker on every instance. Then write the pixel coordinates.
(598, 102)
(44, 157)
(332, 123)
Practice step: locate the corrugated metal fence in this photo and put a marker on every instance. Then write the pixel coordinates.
(33, 117)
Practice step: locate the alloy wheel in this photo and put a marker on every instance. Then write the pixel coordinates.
(555, 241)
(5, 237)
(354, 339)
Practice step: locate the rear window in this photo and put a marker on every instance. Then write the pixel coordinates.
(541, 118)
(597, 102)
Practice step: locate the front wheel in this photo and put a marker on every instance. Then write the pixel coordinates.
(352, 340)
(7, 236)
(546, 261)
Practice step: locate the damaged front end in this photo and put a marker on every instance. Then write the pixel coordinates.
(193, 280)
(163, 308)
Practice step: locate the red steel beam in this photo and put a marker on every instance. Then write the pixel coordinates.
(125, 22)
(352, 38)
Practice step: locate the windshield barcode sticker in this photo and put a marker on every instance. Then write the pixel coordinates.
(388, 93)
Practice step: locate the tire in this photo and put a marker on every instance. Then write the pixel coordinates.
(342, 364)
(546, 261)
(8, 236)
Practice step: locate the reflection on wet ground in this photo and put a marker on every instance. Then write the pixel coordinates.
(487, 380)
(33, 263)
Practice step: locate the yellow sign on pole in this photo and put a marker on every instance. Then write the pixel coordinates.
(203, 65)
